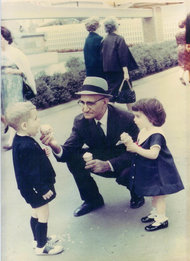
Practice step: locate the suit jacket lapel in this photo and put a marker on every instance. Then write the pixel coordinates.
(93, 134)
(112, 127)
(113, 134)
(92, 128)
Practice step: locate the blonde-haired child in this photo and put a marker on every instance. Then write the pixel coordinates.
(34, 173)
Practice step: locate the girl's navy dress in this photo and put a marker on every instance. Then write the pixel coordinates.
(155, 177)
(34, 173)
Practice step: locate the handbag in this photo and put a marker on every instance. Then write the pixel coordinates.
(126, 94)
(27, 91)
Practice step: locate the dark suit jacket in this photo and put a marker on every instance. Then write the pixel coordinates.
(116, 54)
(92, 55)
(33, 170)
(84, 132)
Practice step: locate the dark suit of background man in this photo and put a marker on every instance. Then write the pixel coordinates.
(109, 159)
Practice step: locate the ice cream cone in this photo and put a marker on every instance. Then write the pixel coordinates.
(87, 156)
(45, 129)
(126, 138)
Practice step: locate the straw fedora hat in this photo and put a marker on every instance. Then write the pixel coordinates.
(94, 85)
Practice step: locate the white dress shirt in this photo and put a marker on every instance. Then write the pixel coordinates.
(104, 122)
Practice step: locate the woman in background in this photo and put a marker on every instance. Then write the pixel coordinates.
(14, 69)
(117, 58)
(182, 39)
(92, 49)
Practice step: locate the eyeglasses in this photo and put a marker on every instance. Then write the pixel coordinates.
(88, 103)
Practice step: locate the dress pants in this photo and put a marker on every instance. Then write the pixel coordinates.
(87, 186)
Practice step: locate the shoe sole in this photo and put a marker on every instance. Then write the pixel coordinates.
(44, 254)
(50, 254)
(156, 228)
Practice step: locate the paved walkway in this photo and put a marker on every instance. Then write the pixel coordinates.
(113, 233)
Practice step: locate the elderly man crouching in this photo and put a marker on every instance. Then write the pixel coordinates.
(99, 127)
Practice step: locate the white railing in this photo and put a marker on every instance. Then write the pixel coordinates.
(72, 37)
(170, 19)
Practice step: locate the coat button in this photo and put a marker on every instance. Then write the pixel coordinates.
(133, 165)
(133, 177)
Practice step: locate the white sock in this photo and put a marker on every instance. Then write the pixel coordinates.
(159, 219)
(153, 213)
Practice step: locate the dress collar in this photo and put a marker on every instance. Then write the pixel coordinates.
(144, 134)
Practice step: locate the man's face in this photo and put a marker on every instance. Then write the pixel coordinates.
(93, 106)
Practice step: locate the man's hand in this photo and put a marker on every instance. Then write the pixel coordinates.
(48, 195)
(98, 166)
(49, 140)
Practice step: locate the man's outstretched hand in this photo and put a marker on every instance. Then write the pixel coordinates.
(49, 140)
(98, 166)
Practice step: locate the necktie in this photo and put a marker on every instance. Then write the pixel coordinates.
(100, 130)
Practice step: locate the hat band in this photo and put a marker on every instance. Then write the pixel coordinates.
(93, 88)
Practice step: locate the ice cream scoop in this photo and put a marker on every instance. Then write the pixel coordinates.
(87, 156)
(126, 138)
(45, 129)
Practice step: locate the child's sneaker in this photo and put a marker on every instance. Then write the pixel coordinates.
(49, 249)
(53, 239)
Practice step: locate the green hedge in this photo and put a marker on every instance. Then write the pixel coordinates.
(61, 88)
(153, 58)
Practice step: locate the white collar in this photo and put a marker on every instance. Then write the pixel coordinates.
(104, 119)
(144, 134)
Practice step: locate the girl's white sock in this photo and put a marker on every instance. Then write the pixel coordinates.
(159, 219)
(153, 213)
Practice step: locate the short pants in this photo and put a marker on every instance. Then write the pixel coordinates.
(35, 199)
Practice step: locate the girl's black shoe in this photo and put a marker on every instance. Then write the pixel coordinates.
(154, 228)
(147, 219)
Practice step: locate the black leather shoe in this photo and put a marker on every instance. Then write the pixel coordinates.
(154, 228)
(85, 208)
(137, 203)
(147, 219)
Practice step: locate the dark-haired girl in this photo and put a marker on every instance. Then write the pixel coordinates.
(153, 172)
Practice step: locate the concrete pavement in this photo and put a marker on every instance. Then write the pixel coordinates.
(113, 233)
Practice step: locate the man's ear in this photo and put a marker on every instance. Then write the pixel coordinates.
(106, 100)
